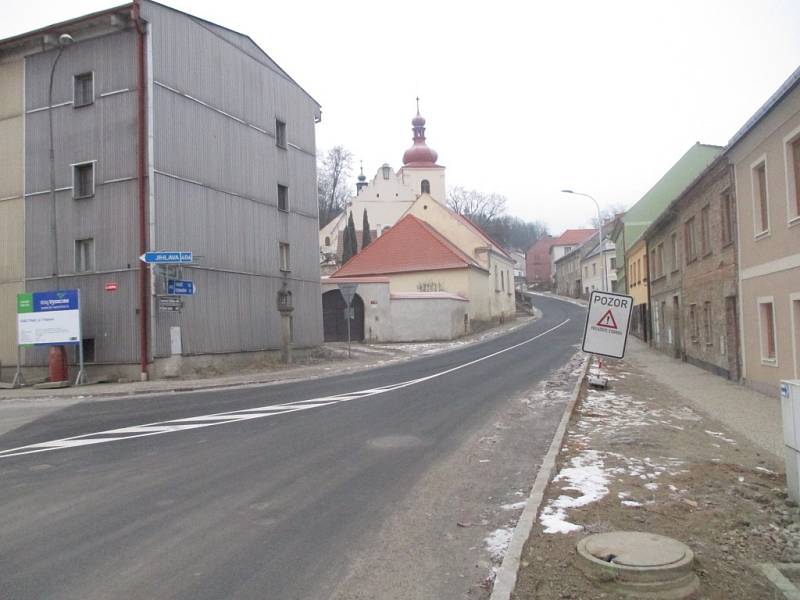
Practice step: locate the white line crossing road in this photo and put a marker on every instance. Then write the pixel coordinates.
(189, 423)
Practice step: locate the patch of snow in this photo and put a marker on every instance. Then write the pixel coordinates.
(720, 436)
(651, 486)
(514, 506)
(588, 477)
(497, 542)
(631, 503)
(765, 470)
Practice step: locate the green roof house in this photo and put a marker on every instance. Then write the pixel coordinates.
(638, 217)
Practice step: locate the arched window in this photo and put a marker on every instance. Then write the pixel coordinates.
(425, 186)
(327, 241)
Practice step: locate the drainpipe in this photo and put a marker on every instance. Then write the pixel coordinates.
(141, 170)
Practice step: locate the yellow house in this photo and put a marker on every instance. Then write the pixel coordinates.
(472, 241)
(12, 203)
(636, 262)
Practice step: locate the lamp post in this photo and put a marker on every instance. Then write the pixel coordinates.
(58, 355)
(64, 40)
(599, 233)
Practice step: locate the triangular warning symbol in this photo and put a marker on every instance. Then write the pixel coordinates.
(607, 320)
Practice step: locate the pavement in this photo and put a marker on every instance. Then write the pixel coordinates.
(749, 413)
(391, 482)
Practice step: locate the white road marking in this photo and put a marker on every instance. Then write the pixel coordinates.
(148, 429)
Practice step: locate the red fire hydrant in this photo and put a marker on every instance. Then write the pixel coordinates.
(57, 364)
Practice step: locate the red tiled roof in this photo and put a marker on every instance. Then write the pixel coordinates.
(411, 245)
(574, 236)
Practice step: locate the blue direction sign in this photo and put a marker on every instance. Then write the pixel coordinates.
(166, 257)
(179, 287)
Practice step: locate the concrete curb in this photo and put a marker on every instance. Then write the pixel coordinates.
(506, 578)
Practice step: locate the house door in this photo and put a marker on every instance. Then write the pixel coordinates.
(676, 327)
(732, 337)
(333, 321)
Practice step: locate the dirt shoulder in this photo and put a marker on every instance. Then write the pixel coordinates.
(638, 456)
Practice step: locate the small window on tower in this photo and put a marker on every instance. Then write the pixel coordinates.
(387, 170)
(425, 186)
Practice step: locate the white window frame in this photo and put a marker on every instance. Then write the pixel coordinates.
(765, 360)
(73, 168)
(795, 329)
(94, 256)
(94, 97)
(284, 258)
(761, 160)
(791, 185)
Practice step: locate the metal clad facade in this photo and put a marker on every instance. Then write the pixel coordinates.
(12, 204)
(104, 132)
(217, 168)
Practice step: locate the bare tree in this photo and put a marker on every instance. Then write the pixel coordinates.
(334, 168)
(481, 208)
(607, 213)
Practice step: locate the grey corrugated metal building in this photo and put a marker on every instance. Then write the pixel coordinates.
(169, 133)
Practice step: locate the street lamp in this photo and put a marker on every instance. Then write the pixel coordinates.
(64, 40)
(599, 233)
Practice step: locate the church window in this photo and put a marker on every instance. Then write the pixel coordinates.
(327, 241)
(425, 186)
(386, 171)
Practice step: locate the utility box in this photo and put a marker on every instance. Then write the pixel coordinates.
(790, 412)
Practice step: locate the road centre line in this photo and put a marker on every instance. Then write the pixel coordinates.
(187, 423)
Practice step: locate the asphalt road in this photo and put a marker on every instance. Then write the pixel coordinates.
(274, 506)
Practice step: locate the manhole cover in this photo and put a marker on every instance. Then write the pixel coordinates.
(644, 565)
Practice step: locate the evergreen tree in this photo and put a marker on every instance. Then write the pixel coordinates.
(351, 225)
(366, 237)
(347, 246)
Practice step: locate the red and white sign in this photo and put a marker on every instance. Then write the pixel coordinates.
(111, 286)
(606, 331)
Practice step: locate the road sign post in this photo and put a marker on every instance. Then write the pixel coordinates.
(606, 330)
(348, 291)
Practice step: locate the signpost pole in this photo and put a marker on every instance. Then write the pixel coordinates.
(19, 380)
(349, 355)
(81, 378)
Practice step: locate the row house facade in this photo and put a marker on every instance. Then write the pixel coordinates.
(765, 155)
(691, 251)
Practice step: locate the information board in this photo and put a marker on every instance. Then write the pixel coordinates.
(48, 318)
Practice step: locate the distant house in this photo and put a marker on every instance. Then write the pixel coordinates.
(537, 262)
(568, 271)
(566, 243)
(592, 267)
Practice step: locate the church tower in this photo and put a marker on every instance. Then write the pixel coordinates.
(420, 170)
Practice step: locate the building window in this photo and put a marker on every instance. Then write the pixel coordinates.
(673, 240)
(694, 328)
(613, 263)
(707, 323)
(653, 271)
(705, 230)
(386, 170)
(83, 180)
(283, 198)
(586, 272)
(766, 321)
(793, 176)
(280, 133)
(84, 255)
(660, 260)
(425, 186)
(726, 210)
(285, 265)
(83, 90)
(503, 280)
(327, 241)
(496, 280)
(690, 245)
(761, 219)
(594, 268)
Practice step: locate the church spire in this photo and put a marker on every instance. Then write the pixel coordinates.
(419, 155)
(362, 179)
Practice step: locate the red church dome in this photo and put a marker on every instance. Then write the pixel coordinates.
(419, 155)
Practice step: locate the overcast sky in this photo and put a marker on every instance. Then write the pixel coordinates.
(522, 99)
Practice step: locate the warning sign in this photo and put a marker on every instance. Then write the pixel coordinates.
(607, 320)
(606, 329)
